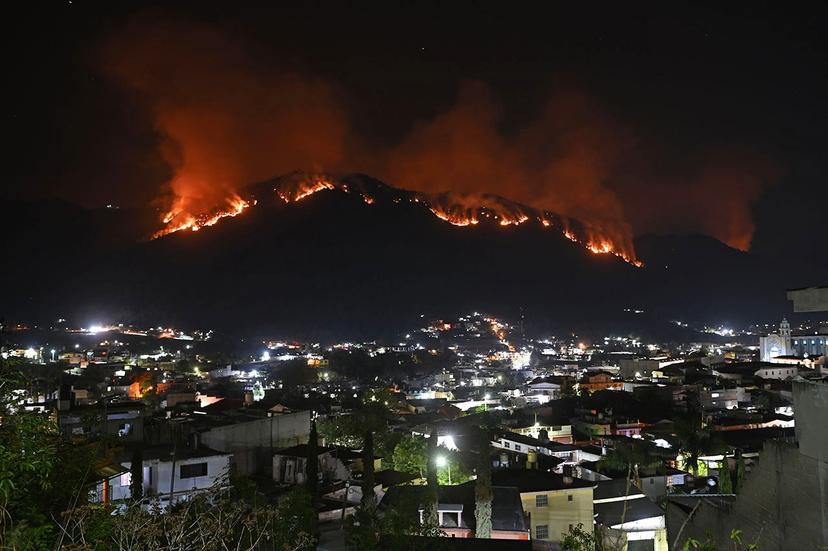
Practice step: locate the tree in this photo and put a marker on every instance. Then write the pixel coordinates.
(312, 463)
(632, 456)
(725, 481)
(41, 472)
(433, 488)
(483, 488)
(214, 520)
(136, 470)
(368, 501)
(740, 470)
(578, 539)
(694, 441)
(410, 455)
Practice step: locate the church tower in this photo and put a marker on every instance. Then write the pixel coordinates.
(785, 333)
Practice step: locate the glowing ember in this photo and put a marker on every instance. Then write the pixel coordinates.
(456, 209)
(457, 220)
(305, 189)
(177, 220)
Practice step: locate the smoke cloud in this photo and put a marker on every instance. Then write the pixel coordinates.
(226, 121)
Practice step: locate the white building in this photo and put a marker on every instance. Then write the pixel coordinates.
(195, 471)
(780, 371)
(784, 343)
(723, 398)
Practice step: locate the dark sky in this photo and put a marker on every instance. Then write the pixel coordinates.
(692, 84)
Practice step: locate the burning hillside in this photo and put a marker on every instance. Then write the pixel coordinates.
(455, 208)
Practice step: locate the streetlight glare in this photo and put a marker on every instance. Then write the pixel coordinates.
(441, 461)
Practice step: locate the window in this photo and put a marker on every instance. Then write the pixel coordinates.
(126, 479)
(541, 500)
(542, 531)
(517, 447)
(569, 497)
(507, 445)
(193, 470)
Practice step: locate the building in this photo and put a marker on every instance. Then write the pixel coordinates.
(601, 380)
(455, 509)
(290, 465)
(783, 503)
(627, 515)
(780, 371)
(784, 343)
(124, 420)
(166, 474)
(555, 503)
(642, 368)
(723, 398)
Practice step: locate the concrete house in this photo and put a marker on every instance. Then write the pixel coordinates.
(554, 503)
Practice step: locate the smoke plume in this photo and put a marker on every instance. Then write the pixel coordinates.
(227, 119)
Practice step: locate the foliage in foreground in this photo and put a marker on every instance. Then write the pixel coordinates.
(209, 521)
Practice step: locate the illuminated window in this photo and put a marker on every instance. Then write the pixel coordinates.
(542, 500)
(542, 531)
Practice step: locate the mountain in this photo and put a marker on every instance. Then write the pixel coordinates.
(360, 258)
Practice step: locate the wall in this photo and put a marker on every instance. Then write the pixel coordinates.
(811, 408)
(782, 505)
(278, 431)
(560, 512)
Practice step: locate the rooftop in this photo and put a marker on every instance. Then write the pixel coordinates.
(532, 480)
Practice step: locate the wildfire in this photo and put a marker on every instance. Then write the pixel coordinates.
(456, 209)
(457, 220)
(177, 219)
(305, 189)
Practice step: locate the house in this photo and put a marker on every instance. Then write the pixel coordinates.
(424, 405)
(519, 443)
(542, 391)
(168, 472)
(455, 509)
(554, 503)
(290, 465)
(124, 420)
(602, 380)
(626, 514)
(777, 372)
(723, 398)
(557, 432)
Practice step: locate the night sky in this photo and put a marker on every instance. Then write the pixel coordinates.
(696, 120)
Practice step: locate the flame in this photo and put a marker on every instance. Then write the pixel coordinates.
(177, 219)
(455, 219)
(304, 189)
(456, 209)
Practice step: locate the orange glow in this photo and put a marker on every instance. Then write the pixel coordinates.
(456, 209)
(304, 189)
(177, 219)
(457, 220)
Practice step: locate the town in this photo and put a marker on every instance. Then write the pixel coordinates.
(606, 439)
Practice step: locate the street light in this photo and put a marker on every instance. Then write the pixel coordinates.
(443, 462)
(53, 355)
